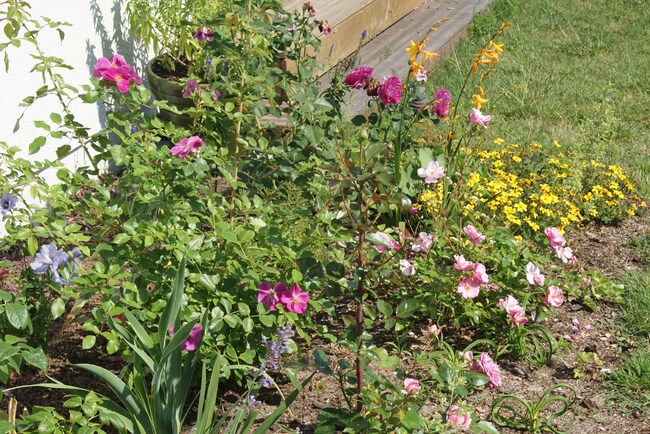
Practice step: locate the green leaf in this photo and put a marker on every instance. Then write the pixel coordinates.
(487, 427)
(57, 308)
(56, 118)
(322, 361)
(406, 308)
(121, 239)
(385, 308)
(36, 357)
(36, 145)
(17, 315)
(88, 342)
(248, 324)
(32, 245)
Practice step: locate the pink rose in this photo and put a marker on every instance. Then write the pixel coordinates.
(468, 287)
(187, 145)
(462, 264)
(384, 238)
(534, 275)
(432, 173)
(458, 416)
(478, 118)
(475, 236)
(358, 79)
(555, 237)
(554, 296)
(434, 329)
(390, 91)
(480, 275)
(514, 311)
(423, 243)
(485, 365)
(295, 300)
(411, 385)
(565, 254)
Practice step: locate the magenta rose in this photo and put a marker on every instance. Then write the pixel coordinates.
(390, 91)
(441, 101)
(358, 78)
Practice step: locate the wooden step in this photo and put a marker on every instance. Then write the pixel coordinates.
(348, 18)
(387, 52)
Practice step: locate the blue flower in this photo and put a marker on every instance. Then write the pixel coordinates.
(7, 202)
(56, 260)
(45, 258)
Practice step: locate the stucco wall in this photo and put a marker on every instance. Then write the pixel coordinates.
(98, 29)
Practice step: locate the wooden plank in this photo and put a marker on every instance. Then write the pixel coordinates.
(348, 19)
(387, 53)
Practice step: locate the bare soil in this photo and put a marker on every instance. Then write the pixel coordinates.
(605, 248)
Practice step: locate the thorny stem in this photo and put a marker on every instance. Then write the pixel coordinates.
(359, 319)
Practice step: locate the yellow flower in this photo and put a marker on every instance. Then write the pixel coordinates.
(498, 47)
(498, 141)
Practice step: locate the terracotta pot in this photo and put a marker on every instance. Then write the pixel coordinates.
(172, 92)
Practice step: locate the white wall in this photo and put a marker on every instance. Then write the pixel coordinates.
(98, 29)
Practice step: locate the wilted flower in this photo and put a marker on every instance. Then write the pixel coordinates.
(423, 243)
(203, 34)
(554, 296)
(475, 236)
(411, 385)
(407, 267)
(187, 145)
(432, 173)
(323, 26)
(441, 102)
(390, 90)
(190, 87)
(486, 365)
(359, 78)
(476, 117)
(309, 8)
(468, 287)
(253, 403)
(458, 416)
(7, 202)
(295, 300)
(216, 95)
(534, 275)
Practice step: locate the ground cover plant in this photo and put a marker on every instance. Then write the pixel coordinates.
(414, 256)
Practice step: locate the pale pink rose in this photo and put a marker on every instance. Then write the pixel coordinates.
(407, 267)
(432, 173)
(411, 385)
(462, 264)
(514, 310)
(555, 237)
(423, 243)
(478, 118)
(475, 236)
(459, 417)
(480, 275)
(534, 275)
(486, 365)
(434, 329)
(468, 288)
(468, 356)
(564, 253)
(386, 239)
(554, 296)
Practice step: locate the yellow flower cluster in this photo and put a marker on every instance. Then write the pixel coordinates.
(530, 188)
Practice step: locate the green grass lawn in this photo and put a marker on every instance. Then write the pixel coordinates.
(572, 71)
(577, 72)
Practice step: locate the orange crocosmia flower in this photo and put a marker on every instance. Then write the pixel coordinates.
(498, 47)
(426, 55)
